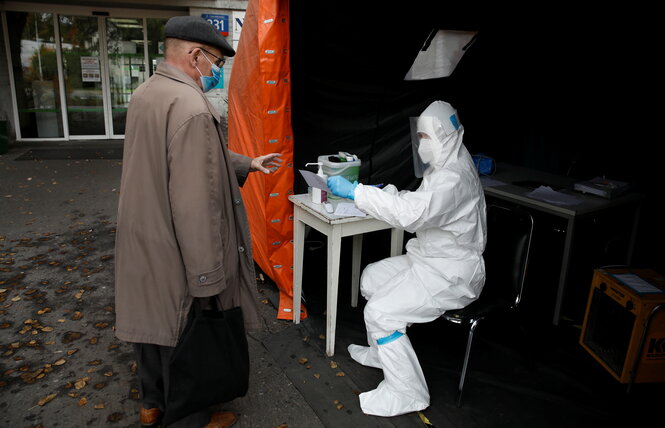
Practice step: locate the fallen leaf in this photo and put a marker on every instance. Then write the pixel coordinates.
(302, 360)
(333, 365)
(108, 374)
(50, 342)
(99, 406)
(93, 340)
(71, 336)
(60, 362)
(16, 298)
(83, 401)
(5, 325)
(339, 406)
(80, 292)
(43, 311)
(47, 329)
(317, 375)
(94, 362)
(340, 374)
(322, 336)
(76, 316)
(46, 399)
(424, 419)
(80, 384)
(115, 416)
(72, 351)
(101, 325)
(100, 385)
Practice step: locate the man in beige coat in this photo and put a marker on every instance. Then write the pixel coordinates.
(182, 227)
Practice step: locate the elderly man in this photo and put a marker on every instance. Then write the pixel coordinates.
(182, 227)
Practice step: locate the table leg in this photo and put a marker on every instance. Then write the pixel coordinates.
(633, 235)
(567, 249)
(334, 245)
(298, 253)
(396, 242)
(355, 268)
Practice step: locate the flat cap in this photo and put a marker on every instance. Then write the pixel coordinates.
(197, 29)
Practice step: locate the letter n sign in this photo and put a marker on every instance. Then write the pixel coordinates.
(220, 22)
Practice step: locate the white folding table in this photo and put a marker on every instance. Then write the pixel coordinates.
(335, 228)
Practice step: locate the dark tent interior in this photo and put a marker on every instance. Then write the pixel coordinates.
(552, 89)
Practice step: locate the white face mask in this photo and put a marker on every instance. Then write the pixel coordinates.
(426, 150)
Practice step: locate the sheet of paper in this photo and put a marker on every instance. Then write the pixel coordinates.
(314, 180)
(547, 194)
(347, 209)
(637, 283)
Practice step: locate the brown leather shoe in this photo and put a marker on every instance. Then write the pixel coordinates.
(222, 420)
(150, 417)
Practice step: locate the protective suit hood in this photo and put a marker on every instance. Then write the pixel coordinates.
(440, 135)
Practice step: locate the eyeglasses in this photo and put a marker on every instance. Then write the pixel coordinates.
(220, 61)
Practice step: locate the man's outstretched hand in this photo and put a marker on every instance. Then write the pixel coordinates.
(266, 163)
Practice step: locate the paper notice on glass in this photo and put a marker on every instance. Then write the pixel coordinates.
(314, 180)
(637, 283)
(348, 209)
(547, 194)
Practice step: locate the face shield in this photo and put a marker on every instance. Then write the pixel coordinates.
(429, 133)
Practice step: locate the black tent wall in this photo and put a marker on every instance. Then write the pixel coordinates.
(552, 89)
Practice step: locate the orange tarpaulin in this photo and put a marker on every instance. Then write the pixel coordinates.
(260, 123)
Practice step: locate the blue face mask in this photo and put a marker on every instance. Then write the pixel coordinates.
(209, 82)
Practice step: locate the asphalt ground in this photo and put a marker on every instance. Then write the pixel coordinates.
(60, 363)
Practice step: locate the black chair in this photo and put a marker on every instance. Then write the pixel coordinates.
(506, 255)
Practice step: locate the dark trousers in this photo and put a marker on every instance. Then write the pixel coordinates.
(153, 363)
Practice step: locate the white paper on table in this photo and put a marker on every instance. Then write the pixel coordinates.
(314, 180)
(347, 209)
(637, 283)
(547, 194)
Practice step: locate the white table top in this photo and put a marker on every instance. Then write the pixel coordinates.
(304, 201)
(509, 174)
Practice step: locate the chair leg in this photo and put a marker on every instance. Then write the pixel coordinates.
(467, 354)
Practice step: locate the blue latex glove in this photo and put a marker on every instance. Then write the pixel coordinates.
(342, 187)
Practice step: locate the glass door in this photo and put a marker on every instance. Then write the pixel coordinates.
(32, 44)
(127, 65)
(82, 66)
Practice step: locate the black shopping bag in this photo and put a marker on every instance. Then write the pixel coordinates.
(210, 363)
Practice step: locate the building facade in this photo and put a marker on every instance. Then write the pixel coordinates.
(68, 71)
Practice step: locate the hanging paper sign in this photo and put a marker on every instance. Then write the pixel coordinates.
(220, 22)
(90, 69)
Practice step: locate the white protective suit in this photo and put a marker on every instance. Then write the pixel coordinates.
(442, 269)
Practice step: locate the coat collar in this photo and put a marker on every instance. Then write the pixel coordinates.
(172, 72)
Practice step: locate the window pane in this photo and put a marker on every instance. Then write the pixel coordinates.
(34, 63)
(155, 42)
(82, 69)
(126, 65)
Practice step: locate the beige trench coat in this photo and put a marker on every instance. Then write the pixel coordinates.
(182, 227)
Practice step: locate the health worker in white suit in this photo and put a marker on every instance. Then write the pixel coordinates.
(442, 269)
